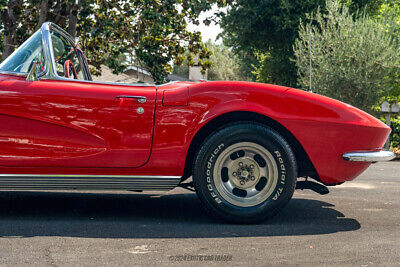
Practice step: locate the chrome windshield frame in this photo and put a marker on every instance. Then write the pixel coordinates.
(50, 69)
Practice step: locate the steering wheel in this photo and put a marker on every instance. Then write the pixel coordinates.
(68, 65)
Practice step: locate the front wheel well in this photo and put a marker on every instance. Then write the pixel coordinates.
(304, 164)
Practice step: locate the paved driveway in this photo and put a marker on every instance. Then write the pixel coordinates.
(358, 223)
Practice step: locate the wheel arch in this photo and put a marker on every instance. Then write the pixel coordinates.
(304, 164)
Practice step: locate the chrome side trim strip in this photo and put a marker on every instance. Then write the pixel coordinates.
(87, 182)
(369, 156)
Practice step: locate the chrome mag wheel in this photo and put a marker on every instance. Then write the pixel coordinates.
(245, 174)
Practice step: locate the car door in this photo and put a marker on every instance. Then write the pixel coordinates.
(62, 123)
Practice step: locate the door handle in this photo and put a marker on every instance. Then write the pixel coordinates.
(140, 99)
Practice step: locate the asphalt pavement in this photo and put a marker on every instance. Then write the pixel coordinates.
(357, 224)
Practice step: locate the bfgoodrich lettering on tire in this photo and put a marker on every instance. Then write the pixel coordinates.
(245, 173)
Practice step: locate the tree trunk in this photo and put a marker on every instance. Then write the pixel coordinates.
(43, 11)
(9, 20)
(8, 44)
(73, 18)
(60, 13)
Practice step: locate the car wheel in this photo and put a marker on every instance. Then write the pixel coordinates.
(245, 173)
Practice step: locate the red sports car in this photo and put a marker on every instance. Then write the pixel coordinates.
(244, 144)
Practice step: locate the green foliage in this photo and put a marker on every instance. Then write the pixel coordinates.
(154, 31)
(371, 7)
(395, 135)
(389, 16)
(225, 64)
(103, 30)
(355, 60)
(263, 32)
(248, 62)
(161, 34)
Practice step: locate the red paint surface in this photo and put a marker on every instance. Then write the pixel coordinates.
(176, 97)
(73, 124)
(71, 127)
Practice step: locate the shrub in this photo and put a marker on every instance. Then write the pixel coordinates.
(395, 135)
(354, 58)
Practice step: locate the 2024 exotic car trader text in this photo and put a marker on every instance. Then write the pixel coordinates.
(244, 144)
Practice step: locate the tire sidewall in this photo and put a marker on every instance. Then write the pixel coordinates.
(260, 135)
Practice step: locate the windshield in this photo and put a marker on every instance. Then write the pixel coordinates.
(66, 59)
(22, 58)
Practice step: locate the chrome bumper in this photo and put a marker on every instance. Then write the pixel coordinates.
(369, 156)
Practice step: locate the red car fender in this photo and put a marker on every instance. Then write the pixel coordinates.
(326, 128)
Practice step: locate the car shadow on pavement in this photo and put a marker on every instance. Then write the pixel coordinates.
(125, 215)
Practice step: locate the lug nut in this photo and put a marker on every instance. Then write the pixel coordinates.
(242, 182)
(253, 178)
(234, 174)
(240, 163)
(252, 166)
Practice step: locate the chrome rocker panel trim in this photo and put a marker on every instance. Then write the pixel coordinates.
(369, 156)
(87, 182)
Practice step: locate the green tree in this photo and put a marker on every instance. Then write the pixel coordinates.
(389, 15)
(20, 18)
(354, 59)
(154, 31)
(262, 34)
(266, 27)
(371, 7)
(225, 64)
(10, 13)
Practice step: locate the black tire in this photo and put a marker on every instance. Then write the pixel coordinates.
(213, 184)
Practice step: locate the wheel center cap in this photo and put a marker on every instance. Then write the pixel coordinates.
(244, 172)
